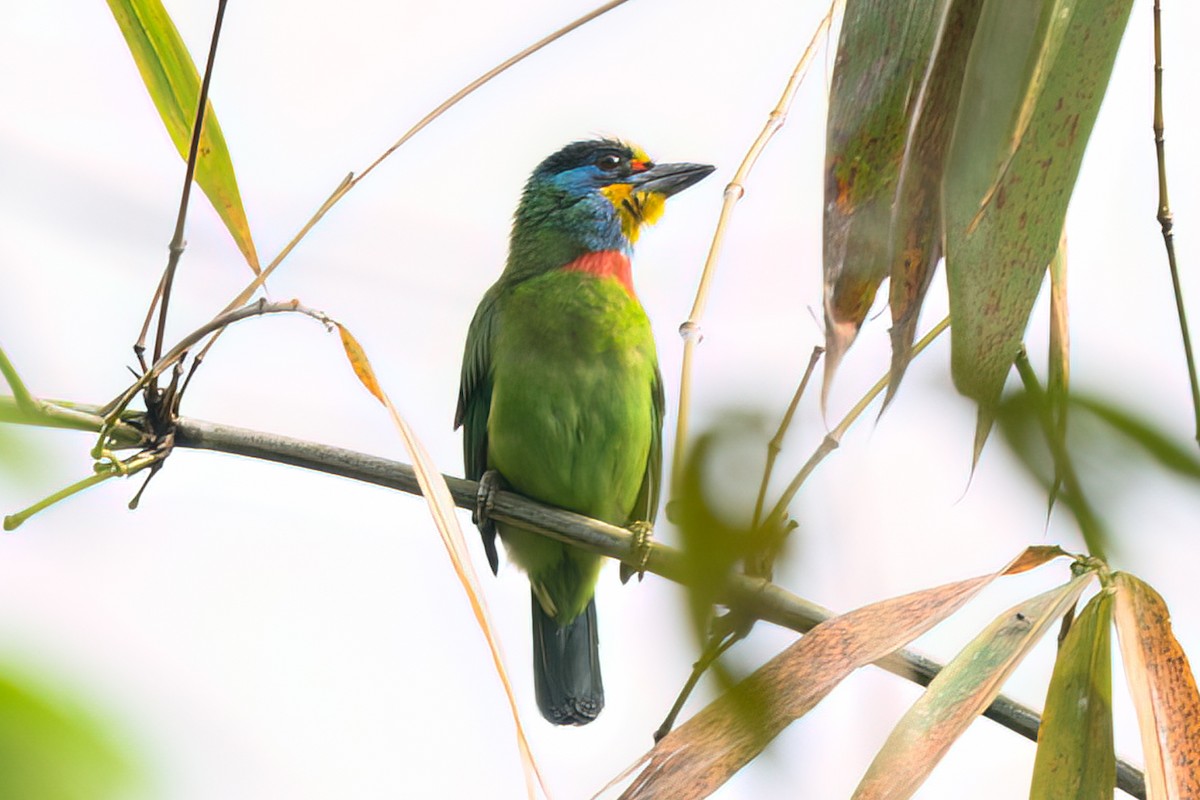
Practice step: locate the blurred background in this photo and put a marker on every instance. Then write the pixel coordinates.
(255, 630)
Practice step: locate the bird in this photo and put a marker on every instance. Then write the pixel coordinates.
(561, 398)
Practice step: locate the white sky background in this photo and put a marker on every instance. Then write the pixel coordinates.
(259, 631)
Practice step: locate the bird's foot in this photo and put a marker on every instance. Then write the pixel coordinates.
(642, 532)
(490, 482)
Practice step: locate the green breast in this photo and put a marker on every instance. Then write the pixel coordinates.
(571, 414)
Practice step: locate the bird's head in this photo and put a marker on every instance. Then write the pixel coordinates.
(601, 193)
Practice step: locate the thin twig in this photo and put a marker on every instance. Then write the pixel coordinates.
(1166, 219)
(117, 406)
(775, 446)
(175, 249)
(834, 437)
(727, 632)
(717, 647)
(690, 329)
(135, 465)
(350, 181)
(754, 597)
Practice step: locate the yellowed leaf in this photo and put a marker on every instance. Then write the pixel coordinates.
(361, 364)
(960, 693)
(442, 509)
(1163, 688)
(700, 755)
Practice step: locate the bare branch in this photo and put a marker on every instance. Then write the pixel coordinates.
(754, 597)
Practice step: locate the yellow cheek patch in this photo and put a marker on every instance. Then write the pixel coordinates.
(636, 208)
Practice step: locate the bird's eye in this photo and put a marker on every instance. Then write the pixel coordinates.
(609, 162)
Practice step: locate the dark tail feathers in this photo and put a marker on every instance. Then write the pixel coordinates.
(566, 667)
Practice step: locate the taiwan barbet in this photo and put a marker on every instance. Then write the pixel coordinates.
(561, 397)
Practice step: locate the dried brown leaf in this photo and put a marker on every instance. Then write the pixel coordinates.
(1163, 689)
(696, 758)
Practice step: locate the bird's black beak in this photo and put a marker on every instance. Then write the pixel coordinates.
(669, 179)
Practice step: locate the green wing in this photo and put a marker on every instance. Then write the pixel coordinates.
(475, 400)
(646, 507)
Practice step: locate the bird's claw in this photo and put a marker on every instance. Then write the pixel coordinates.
(485, 502)
(642, 532)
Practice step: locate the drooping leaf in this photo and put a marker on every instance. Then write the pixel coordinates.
(1006, 190)
(960, 692)
(1163, 689)
(50, 748)
(883, 51)
(1180, 459)
(700, 755)
(171, 78)
(1075, 758)
(916, 224)
(442, 509)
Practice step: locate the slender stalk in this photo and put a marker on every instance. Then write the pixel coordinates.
(690, 329)
(1166, 219)
(775, 446)
(347, 183)
(115, 407)
(755, 597)
(175, 249)
(350, 181)
(14, 521)
(834, 437)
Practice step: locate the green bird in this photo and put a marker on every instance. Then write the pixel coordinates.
(561, 397)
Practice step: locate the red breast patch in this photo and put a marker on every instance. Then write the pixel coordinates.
(605, 264)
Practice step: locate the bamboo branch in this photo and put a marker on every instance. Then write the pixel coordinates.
(1166, 220)
(163, 296)
(834, 438)
(690, 329)
(754, 597)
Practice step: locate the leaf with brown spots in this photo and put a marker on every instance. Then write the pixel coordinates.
(883, 52)
(700, 755)
(1031, 92)
(916, 224)
(960, 693)
(1163, 688)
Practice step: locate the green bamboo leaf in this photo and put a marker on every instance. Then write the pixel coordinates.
(960, 692)
(174, 85)
(883, 52)
(1075, 759)
(49, 748)
(1037, 72)
(1179, 458)
(916, 224)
